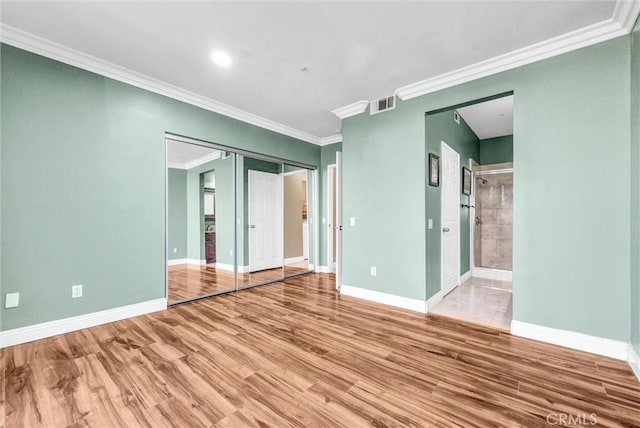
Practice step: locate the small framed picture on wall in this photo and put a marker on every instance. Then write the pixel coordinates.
(466, 181)
(434, 170)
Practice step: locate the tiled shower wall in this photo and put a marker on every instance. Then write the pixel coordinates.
(493, 241)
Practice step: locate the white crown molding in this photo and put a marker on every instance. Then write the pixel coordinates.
(196, 162)
(202, 160)
(332, 139)
(571, 339)
(624, 17)
(384, 298)
(66, 325)
(573, 40)
(626, 13)
(351, 110)
(41, 46)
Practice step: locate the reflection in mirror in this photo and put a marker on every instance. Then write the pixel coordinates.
(297, 215)
(200, 221)
(260, 216)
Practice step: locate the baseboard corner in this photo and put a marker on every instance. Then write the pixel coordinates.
(634, 361)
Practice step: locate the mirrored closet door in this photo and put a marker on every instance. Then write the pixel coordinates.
(235, 219)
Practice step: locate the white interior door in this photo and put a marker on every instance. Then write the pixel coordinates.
(450, 215)
(338, 219)
(266, 242)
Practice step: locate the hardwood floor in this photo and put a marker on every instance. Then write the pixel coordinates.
(187, 281)
(294, 353)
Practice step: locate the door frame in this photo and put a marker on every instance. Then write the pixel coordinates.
(330, 225)
(457, 197)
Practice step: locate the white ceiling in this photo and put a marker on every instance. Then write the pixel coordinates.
(353, 50)
(490, 119)
(185, 156)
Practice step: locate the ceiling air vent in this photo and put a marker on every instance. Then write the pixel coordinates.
(383, 104)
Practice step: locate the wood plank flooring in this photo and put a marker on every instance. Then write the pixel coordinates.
(187, 281)
(295, 354)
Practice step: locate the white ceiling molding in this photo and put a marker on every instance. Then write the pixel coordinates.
(626, 13)
(351, 110)
(41, 46)
(336, 138)
(624, 16)
(196, 162)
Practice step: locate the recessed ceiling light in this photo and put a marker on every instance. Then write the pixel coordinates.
(221, 58)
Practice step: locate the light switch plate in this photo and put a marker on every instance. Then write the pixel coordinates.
(430, 223)
(12, 300)
(352, 221)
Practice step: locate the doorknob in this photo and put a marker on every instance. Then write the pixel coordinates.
(445, 229)
(253, 226)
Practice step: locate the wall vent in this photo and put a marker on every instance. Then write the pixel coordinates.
(383, 104)
(226, 155)
(456, 117)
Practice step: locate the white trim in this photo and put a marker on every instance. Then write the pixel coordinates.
(229, 267)
(331, 139)
(495, 274)
(351, 109)
(465, 277)
(586, 36)
(20, 335)
(196, 262)
(175, 262)
(330, 223)
(570, 339)
(323, 269)
(204, 159)
(433, 301)
(294, 259)
(456, 191)
(41, 46)
(634, 361)
(384, 298)
(298, 171)
(626, 13)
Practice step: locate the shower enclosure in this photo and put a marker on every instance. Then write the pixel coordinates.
(493, 231)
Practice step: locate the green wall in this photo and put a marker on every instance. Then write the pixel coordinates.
(177, 212)
(441, 127)
(327, 157)
(571, 117)
(99, 146)
(635, 187)
(496, 150)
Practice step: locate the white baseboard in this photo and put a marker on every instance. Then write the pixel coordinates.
(228, 267)
(495, 274)
(634, 361)
(465, 277)
(298, 259)
(570, 339)
(20, 335)
(175, 262)
(196, 262)
(433, 301)
(323, 269)
(384, 298)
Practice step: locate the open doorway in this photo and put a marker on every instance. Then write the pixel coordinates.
(476, 200)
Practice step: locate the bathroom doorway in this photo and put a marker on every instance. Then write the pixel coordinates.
(482, 134)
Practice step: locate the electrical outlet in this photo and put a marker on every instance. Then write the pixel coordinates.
(231, 253)
(175, 250)
(352, 221)
(12, 300)
(76, 291)
(373, 271)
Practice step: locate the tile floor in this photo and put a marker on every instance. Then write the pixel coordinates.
(479, 300)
